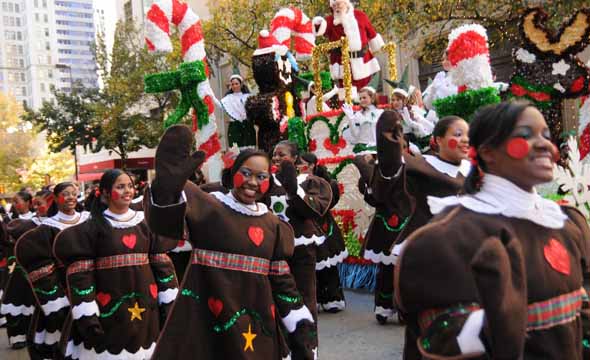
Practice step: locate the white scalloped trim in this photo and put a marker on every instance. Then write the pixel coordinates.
(314, 239)
(230, 202)
(378, 258)
(14, 310)
(332, 261)
(55, 305)
(17, 339)
(85, 309)
(339, 305)
(47, 338)
(379, 310)
(114, 219)
(80, 352)
(168, 296)
(54, 220)
(295, 316)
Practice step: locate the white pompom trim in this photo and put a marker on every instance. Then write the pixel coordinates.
(295, 316)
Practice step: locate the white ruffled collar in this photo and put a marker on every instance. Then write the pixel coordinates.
(448, 168)
(27, 216)
(234, 105)
(229, 200)
(63, 221)
(123, 221)
(500, 196)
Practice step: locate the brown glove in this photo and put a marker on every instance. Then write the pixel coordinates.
(389, 142)
(287, 175)
(174, 164)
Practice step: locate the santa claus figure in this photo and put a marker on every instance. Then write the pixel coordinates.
(362, 38)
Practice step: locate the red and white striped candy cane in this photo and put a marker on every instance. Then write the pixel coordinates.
(163, 14)
(292, 22)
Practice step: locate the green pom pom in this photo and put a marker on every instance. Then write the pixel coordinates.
(465, 104)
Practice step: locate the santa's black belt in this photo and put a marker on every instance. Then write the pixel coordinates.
(353, 54)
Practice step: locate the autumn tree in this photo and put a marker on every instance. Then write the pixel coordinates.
(54, 167)
(234, 25)
(17, 141)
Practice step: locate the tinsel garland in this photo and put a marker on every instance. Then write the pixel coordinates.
(166, 279)
(186, 79)
(234, 318)
(120, 302)
(465, 104)
(296, 130)
(47, 293)
(340, 167)
(309, 76)
(391, 50)
(334, 132)
(541, 95)
(84, 292)
(353, 246)
(321, 50)
(334, 160)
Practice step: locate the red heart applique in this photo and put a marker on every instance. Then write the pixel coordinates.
(557, 256)
(393, 221)
(103, 298)
(154, 290)
(326, 227)
(215, 305)
(256, 235)
(272, 310)
(334, 148)
(129, 240)
(3, 262)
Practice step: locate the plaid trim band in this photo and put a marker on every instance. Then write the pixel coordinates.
(160, 259)
(279, 268)
(80, 266)
(117, 261)
(228, 261)
(42, 272)
(555, 311)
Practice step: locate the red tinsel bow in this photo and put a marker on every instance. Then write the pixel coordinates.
(473, 156)
(536, 95)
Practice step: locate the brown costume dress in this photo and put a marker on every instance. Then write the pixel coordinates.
(497, 275)
(17, 301)
(120, 280)
(304, 212)
(238, 289)
(34, 252)
(401, 208)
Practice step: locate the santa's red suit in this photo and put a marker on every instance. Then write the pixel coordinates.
(363, 41)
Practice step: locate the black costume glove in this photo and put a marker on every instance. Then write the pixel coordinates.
(287, 175)
(389, 142)
(90, 330)
(364, 168)
(174, 164)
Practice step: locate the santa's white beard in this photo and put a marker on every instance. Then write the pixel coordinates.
(344, 17)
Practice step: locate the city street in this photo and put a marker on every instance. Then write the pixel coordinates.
(352, 334)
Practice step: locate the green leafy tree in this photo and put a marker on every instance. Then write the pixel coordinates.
(130, 118)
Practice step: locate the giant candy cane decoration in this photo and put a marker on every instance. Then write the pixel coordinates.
(289, 22)
(163, 14)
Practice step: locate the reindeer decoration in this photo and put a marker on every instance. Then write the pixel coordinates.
(547, 68)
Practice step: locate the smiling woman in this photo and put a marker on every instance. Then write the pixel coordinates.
(508, 255)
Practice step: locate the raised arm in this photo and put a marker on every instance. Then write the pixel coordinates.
(389, 153)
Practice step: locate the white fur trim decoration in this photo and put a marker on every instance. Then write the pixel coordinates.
(376, 43)
(55, 305)
(466, 28)
(80, 352)
(351, 29)
(323, 25)
(362, 69)
(295, 316)
(168, 296)
(85, 308)
(475, 72)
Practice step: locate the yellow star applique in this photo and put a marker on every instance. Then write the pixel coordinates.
(136, 312)
(249, 336)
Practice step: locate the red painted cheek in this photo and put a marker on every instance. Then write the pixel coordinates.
(115, 195)
(239, 180)
(61, 200)
(453, 143)
(42, 209)
(517, 148)
(264, 185)
(21, 207)
(274, 169)
(304, 168)
(555, 153)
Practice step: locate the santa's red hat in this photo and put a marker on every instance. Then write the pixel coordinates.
(469, 55)
(332, 2)
(267, 44)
